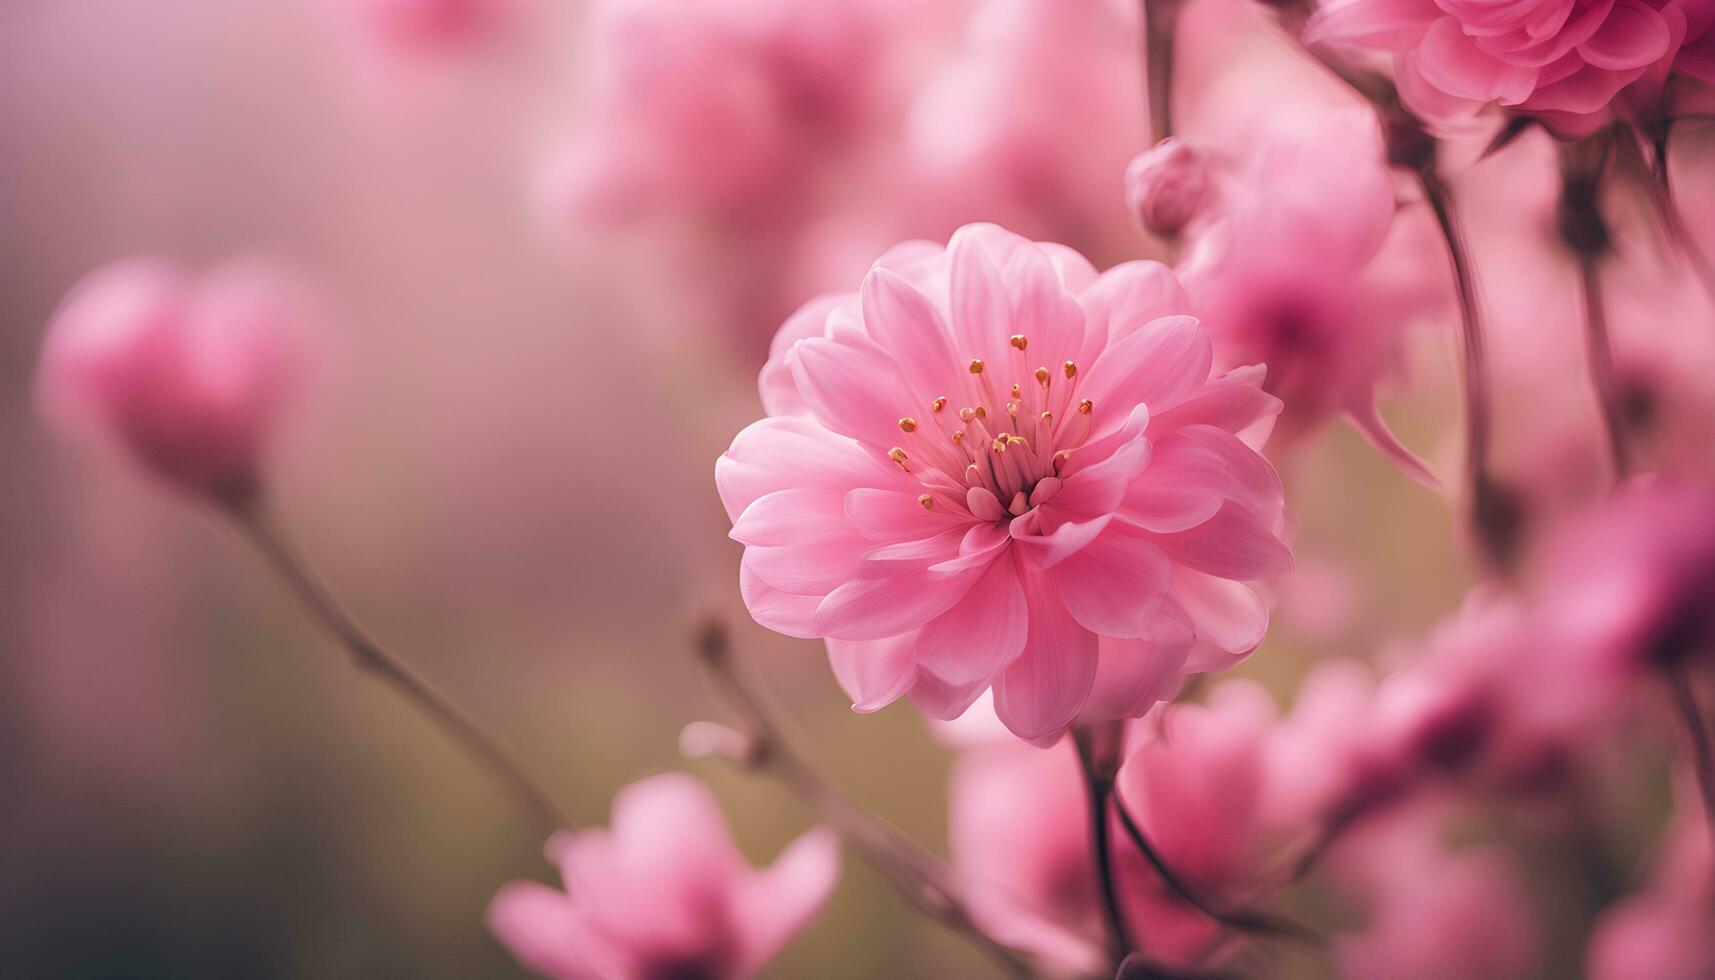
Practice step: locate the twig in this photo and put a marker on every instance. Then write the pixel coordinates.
(906, 864)
(1585, 234)
(272, 542)
(1099, 763)
(1160, 30)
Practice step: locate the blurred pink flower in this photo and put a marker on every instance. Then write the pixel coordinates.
(1168, 185)
(1562, 60)
(997, 468)
(1019, 831)
(1032, 123)
(1287, 271)
(663, 893)
(419, 26)
(186, 374)
(1629, 586)
(1434, 913)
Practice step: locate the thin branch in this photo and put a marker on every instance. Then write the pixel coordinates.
(1160, 31)
(1099, 786)
(272, 542)
(1243, 920)
(1585, 234)
(907, 865)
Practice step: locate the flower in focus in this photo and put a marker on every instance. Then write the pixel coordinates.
(1290, 270)
(996, 468)
(663, 893)
(1167, 186)
(188, 374)
(1563, 61)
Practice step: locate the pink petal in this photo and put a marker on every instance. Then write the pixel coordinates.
(1233, 544)
(1126, 298)
(1044, 551)
(1632, 36)
(1367, 419)
(1041, 693)
(981, 307)
(903, 321)
(889, 598)
(772, 907)
(980, 635)
(874, 673)
(1097, 489)
(942, 701)
(779, 392)
(543, 929)
(891, 515)
(1234, 401)
(786, 517)
(1453, 63)
(1192, 473)
(1387, 25)
(782, 612)
(796, 452)
(853, 387)
(1159, 365)
(1229, 617)
(1133, 675)
(1042, 310)
(1112, 585)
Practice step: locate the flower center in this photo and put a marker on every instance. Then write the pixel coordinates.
(1001, 452)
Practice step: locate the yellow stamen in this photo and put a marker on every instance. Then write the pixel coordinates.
(977, 366)
(938, 404)
(1019, 341)
(927, 501)
(1085, 406)
(908, 425)
(1071, 370)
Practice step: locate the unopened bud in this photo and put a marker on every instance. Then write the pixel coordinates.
(1167, 186)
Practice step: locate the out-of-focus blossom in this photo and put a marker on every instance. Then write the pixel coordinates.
(1561, 60)
(1197, 785)
(1285, 272)
(1033, 123)
(996, 468)
(1664, 932)
(1689, 62)
(426, 25)
(1630, 585)
(1433, 912)
(663, 893)
(717, 111)
(1168, 185)
(188, 374)
(1019, 831)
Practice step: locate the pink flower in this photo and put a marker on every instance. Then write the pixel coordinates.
(1561, 60)
(663, 893)
(187, 374)
(1167, 185)
(995, 468)
(1289, 270)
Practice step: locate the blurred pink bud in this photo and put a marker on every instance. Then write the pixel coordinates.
(995, 468)
(187, 374)
(1167, 186)
(429, 25)
(663, 893)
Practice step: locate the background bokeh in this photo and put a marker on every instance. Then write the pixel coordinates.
(503, 467)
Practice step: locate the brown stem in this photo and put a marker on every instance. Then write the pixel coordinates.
(1703, 758)
(1243, 920)
(1160, 28)
(271, 541)
(1585, 235)
(906, 864)
(1659, 189)
(1099, 786)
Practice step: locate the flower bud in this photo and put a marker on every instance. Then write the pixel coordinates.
(187, 375)
(1167, 186)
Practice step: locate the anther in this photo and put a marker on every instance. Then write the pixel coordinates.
(897, 455)
(1048, 417)
(958, 435)
(938, 404)
(908, 425)
(1085, 406)
(1016, 393)
(1042, 376)
(1019, 341)
(966, 414)
(982, 413)
(927, 501)
(977, 366)
(1071, 370)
